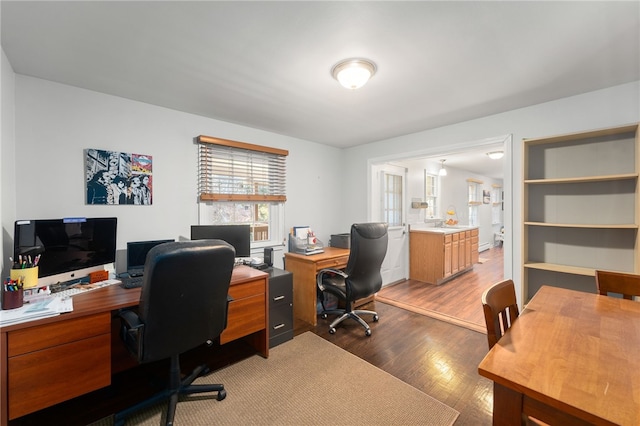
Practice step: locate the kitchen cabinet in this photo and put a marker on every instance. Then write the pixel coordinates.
(437, 255)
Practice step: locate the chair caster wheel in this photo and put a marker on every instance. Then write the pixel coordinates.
(367, 333)
(324, 316)
(332, 330)
(376, 318)
(222, 395)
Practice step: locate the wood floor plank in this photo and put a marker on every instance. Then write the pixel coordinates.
(436, 357)
(456, 301)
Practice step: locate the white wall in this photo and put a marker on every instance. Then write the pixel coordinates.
(603, 108)
(55, 123)
(7, 155)
(453, 192)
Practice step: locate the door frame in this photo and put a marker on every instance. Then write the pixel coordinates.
(440, 152)
(396, 263)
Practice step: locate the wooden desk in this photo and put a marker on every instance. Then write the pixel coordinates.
(45, 362)
(304, 270)
(570, 358)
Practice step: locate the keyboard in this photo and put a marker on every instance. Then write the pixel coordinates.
(76, 289)
(132, 282)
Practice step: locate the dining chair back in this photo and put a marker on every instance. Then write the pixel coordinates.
(628, 285)
(500, 309)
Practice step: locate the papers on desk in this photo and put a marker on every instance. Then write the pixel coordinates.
(301, 246)
(43, 308)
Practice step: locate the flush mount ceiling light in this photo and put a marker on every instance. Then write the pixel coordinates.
(442, 171)
(495, 155)
(353, 73)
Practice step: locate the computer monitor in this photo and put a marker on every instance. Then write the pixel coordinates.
(239, 236)
(137, 255)
(69, 248)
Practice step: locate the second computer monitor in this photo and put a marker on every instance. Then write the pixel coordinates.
(239, 236)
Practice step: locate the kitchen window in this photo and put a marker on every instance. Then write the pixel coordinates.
(431, 185)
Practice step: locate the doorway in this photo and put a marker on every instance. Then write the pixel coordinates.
(400, 253)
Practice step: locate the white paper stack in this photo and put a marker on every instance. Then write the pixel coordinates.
(48, 307)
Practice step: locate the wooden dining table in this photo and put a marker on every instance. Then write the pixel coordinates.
(570, 358)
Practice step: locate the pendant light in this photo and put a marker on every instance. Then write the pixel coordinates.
(443, 171)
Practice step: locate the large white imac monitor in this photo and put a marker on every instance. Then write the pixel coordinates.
(69, 248)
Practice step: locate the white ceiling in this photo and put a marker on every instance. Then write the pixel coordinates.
(267, 64)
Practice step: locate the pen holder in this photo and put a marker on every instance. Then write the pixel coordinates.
(12, 299)
(29, 276)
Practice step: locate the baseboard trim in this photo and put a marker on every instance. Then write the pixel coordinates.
(436, 315)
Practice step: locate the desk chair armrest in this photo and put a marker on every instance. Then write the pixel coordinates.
(226, 318)
(131, 330)
(327, 271)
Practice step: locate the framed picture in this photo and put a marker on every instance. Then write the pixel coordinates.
(118, 177)
(486, 196)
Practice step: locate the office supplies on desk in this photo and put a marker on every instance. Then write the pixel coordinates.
(29, 275)
(48, 307)
(12, 297)
(340, 240)
(302, 246)
(76, 289)
(268, 256)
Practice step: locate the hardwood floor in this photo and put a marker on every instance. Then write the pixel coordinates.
(434, 342)
(456, 301)
(436, 357)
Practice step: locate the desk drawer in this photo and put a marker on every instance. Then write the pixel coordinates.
(253, 288)
(58, 333)
(247, 311)
(280, 319)
(46, 377)
(335, 263)
(245, 316)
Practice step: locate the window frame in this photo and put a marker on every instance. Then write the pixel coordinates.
(266, 182)
(433, 209)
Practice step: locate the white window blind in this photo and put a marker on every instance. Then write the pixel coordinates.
(239, 171)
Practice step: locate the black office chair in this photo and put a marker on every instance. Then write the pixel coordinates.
(183, 304)
(361, 278)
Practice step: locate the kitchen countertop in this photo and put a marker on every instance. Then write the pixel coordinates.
(438, 230)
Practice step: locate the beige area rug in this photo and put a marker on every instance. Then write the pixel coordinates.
(305, 381)
(482, 260)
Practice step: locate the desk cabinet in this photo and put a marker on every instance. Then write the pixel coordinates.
(57, 362)
(247, 311)
(280, 306)
(50, 360)
(304, 270)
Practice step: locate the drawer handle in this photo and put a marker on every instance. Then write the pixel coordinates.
(275, 327)
(275, 299)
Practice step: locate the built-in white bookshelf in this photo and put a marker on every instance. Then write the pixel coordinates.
(580, 207)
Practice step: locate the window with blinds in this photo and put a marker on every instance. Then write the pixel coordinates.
(238, 171)
(241, 183)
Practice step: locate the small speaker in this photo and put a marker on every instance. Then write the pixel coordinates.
(268, 256)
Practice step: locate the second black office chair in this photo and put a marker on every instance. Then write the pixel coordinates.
(361, 278)
(183, 304)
